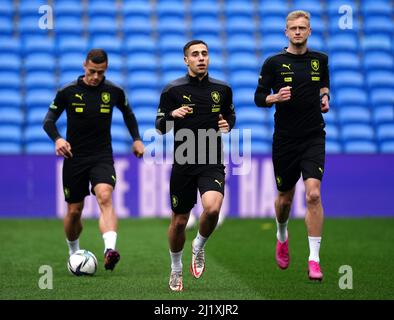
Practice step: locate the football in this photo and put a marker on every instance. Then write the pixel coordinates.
(82, 263)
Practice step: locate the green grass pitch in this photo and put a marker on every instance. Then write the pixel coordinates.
(239, 261)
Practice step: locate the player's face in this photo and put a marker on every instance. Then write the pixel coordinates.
(94, 72)
(298, 31)
(197, 60)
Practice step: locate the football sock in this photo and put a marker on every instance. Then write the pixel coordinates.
(72, 246)
(109, 240)
(314, 247)
(281, 234)
(199, 242)
(176, 260)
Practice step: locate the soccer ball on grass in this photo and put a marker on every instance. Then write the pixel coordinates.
(82, 263)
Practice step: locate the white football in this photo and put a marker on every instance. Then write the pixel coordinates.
(82, 263)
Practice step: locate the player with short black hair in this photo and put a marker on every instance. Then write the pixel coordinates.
(195, 105)
(299, 79)
(87, 150)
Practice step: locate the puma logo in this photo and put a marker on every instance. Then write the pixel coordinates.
(79, 95)
(219, 183)
(286, 65)
(189, 97)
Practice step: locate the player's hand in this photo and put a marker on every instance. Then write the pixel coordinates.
(284, 94)
(181, 112)
(325, 105)
(138, 148)
(63, 148)
(223, 124)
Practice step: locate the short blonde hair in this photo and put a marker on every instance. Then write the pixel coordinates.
(298, 14)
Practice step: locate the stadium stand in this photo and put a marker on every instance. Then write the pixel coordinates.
(144, 40)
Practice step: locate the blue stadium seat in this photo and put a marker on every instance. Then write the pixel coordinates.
(69, 26)
(380, 79)
(140, 43)
(378, 25)
(333, 146)
(387, 147)
(28, 26)
(240, 25)
(354, 115)
(348, 79)
(36, 116)
(39, 62)
(39, 45)
(103, 26)
(11, 133)
(10, 98)
(6, 26)
(239, 8)
(215, 42)
(382, 97)
(337, 24)
(137, 25)
(218, 74)
(383, 114)
(10, 80)
(113, 46)
(11, 116)
(241, 43)
(142, 79)
(137, 8)
(7, 9)
(261, 147)
(377, 42)
(318, 26)
(39, 98)
(170, 8)
(357, 132)
(243, 61)
(244, 97)
(116, 76)
(141, 61)
(343, 42)
(385, 132)
(216, 62)
(72, 44)
(102, 8)
(71, 8)
(376, 8)
(207, 25)
(120, 133)
(342, 61)
(40, 147)
(315, 8)
(243, 79)
(119, 147)
(141, 98)
(332, 132)
(145, 115)
(272, 24)
(172, 62)
(169, 25)
(10, 45)
(40, 80)
(378, 61)
(277, 8)
(10, 62)
(69, 76)
(172, 43)
(273, 42)
(205, 8)
(337, 8)
(350, 96)
(169, 76)
(360, 147)
(71, 62)
(316, 42)
(29, 8)
(10, 147)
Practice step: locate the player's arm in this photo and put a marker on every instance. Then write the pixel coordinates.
(132, 125)
(62, 147)
(262, 95)
(227, 118)
(164, 117)
(324, 87)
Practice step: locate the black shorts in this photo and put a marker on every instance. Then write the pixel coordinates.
(295, 156)
(183, 187)
(78, 172)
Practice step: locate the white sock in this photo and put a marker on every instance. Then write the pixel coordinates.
(176, 261)
(199, 242)
(281, 234)
(109, 240)
(314, 248)
(72, 246)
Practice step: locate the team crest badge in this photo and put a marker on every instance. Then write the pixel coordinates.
(315, 64)
(215, 96)
(106, 97)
